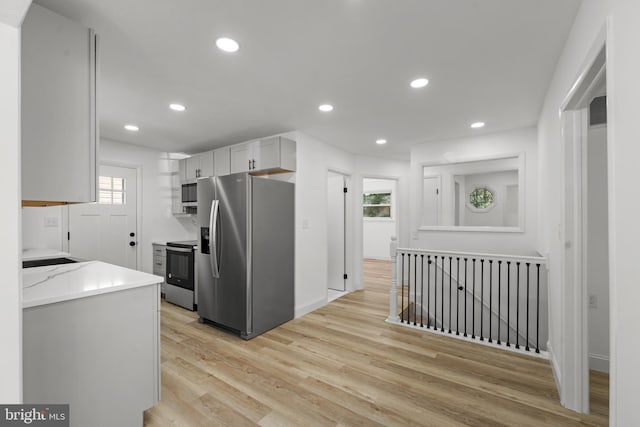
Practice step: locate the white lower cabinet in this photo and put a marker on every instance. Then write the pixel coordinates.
(160, 262)
(100, 354)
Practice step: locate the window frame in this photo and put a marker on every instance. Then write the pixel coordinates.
(391, 206)
(112, 190)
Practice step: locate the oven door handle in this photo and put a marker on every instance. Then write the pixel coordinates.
(213, 226)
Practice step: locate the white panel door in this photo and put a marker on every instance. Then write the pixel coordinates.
(106, 231)
(336, 232)
(431, 201)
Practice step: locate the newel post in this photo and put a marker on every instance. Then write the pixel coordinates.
(393, 292)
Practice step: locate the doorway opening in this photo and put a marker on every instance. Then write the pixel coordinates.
(379, 216)
(586, 238)
(337, 224)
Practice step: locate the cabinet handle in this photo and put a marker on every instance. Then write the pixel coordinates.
(159, 263)
(249, 164)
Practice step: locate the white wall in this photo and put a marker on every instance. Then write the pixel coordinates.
(11, 15)
(38, 229)
(465, 149)
(314, 160)
(158, 222)
(598, 249)
(623, 92)
(377, 232)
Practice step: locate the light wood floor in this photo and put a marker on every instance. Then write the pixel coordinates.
(343, 365)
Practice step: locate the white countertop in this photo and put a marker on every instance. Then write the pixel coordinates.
(56, 283)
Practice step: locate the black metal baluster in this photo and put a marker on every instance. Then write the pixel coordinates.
(450, 280)
(458, 296)
(518, 306)
(481, 298)
(527, 343)
(508, 301)
(421, 290)
(402, 286)
(490, 297)
(465, 297)
(473, 300)
(538, 309)
(428, 289)
(409, 289)
(415, 290)
(499, 290)
(442, 295)
(435, 292)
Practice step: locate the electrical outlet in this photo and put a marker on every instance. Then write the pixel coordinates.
(50, 221)
(414, 235)
(593, 301)
(305, 224)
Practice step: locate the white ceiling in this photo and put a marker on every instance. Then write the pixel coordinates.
(486, 60)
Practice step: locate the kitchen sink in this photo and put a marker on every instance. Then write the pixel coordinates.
(49, 261)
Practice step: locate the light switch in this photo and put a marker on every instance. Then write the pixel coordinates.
(51, 221)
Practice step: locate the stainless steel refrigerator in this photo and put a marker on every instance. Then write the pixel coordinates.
(245, 255)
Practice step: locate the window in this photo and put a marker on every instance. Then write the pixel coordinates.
(112, 190)
(481, 198)
(376, 205)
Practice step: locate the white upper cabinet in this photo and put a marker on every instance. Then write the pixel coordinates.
(59, 124)
(275, 154)
(240, 157)
(196, 166)
(222, 161)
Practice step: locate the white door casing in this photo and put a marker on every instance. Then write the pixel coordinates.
(101, 231)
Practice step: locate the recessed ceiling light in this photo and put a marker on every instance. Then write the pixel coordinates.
(132, 128)
(325, 108)
(227, 44)
(418, 83)
(177, 107)
(477, 125)
(381, 141)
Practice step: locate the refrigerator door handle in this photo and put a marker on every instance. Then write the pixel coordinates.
(213, 244)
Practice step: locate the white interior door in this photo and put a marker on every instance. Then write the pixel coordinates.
(106, 231)
(431, 200)
(336, 231)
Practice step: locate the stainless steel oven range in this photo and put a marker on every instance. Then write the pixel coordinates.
(180, 275)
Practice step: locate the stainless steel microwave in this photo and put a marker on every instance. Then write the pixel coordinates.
(190, 194)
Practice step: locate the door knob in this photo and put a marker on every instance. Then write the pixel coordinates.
(132, 234)
(132, 243)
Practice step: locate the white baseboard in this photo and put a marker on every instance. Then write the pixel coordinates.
(555, 368)
(598, 362)
(301, 311)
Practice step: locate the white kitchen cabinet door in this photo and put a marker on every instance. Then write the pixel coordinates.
(240, 157)
(266, 154)
(182, 171)
(192, 167)
(222, 161)
(206, 164)
(59, 128)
